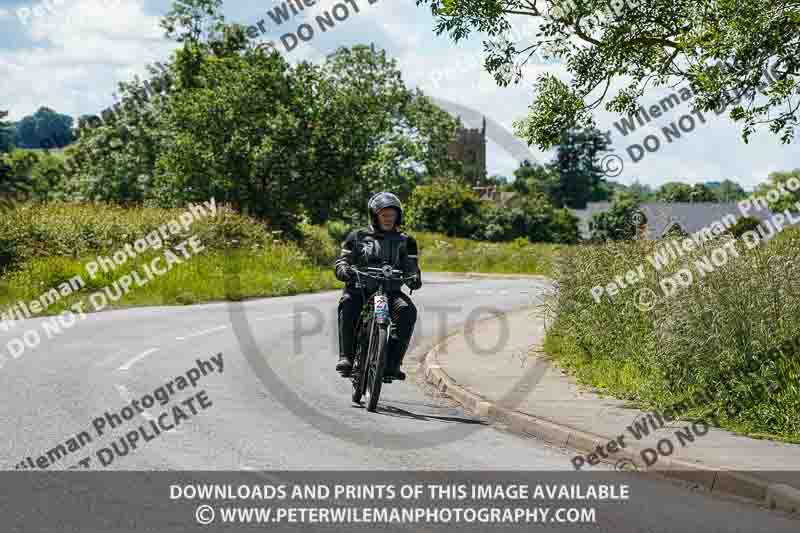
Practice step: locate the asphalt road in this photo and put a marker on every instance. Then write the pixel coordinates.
(291, 411)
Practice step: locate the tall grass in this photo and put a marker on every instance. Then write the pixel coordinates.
(449, 254)
(713, 336)
(46, 245)
(76, 230)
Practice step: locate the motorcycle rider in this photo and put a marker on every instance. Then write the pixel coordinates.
(380, 243)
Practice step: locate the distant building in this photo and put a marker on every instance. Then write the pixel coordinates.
(469, 147)
(491, 194)
(660, 218)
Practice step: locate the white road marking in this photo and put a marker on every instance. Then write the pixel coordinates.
(197, 334)
(123, 391)
(139, 357)
(110, 358)
(126, 395)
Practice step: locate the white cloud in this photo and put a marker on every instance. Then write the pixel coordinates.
(90, 46)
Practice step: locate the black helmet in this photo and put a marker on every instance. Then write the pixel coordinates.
(381, 200)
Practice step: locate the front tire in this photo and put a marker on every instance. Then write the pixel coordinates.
(377, 364)
(360, 377)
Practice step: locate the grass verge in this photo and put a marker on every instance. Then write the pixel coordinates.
(718, 337)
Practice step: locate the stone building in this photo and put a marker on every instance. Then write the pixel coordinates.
(469, 147)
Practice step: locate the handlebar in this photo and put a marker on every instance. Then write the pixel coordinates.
(383, 273)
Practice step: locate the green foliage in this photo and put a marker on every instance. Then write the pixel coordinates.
(44, 129)
(338, 229)
(641, 193)
(743, 225)
(275, 141)
(452, 208)
(75, 230)
(532, 217)
(278, 269)
(614, 50)
(674, 192)
(393, 138)
(531, 178)
(580, 179)
(445, 206)
(701, 193)
(440, 253)
(777, 180)
(675, 232)
(726, 191)
(729, 191)
(714, 336)
(228, 122)
(621, 222)
(193, 20)
(6, 134)
(16, 181)
(114, 160)
(318, 244)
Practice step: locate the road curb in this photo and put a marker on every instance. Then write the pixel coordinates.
(722, 480)
(492, 276)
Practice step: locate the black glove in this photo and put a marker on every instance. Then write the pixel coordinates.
(416, 283)
(343, 273)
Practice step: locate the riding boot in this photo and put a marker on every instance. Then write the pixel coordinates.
(396, 353)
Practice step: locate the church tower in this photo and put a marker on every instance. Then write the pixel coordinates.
(469, 147)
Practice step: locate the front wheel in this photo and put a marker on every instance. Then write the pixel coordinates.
(377, 363)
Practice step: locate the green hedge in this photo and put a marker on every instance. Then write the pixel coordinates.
(75, 230)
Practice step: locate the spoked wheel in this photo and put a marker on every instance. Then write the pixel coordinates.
(359, 376)
(376, 362)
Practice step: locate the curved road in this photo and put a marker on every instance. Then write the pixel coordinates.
(57, 390)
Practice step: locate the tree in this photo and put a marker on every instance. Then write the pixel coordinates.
(702, 193)
(531, 178)
(246, 133)
(44, 129)
(114, 160)
(777, 181)
(411, 148)
(614, 50)
(580, 179)
(6, 134)
(532, 217)
(16, 169)
(496, 180)
(445, 206)
(393, 137)
(621, 222)
(193, 20)
(729, 191)
(674, 192)
(642, 193)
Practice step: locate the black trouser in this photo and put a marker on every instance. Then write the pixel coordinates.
(404, 316)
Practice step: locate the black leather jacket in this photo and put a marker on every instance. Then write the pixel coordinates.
(373, 247)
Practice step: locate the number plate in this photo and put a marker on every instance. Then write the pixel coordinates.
(381, 307)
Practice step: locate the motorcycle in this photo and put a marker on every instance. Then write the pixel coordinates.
(373, 329)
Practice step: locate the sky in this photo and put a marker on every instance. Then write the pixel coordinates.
(69, 55)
